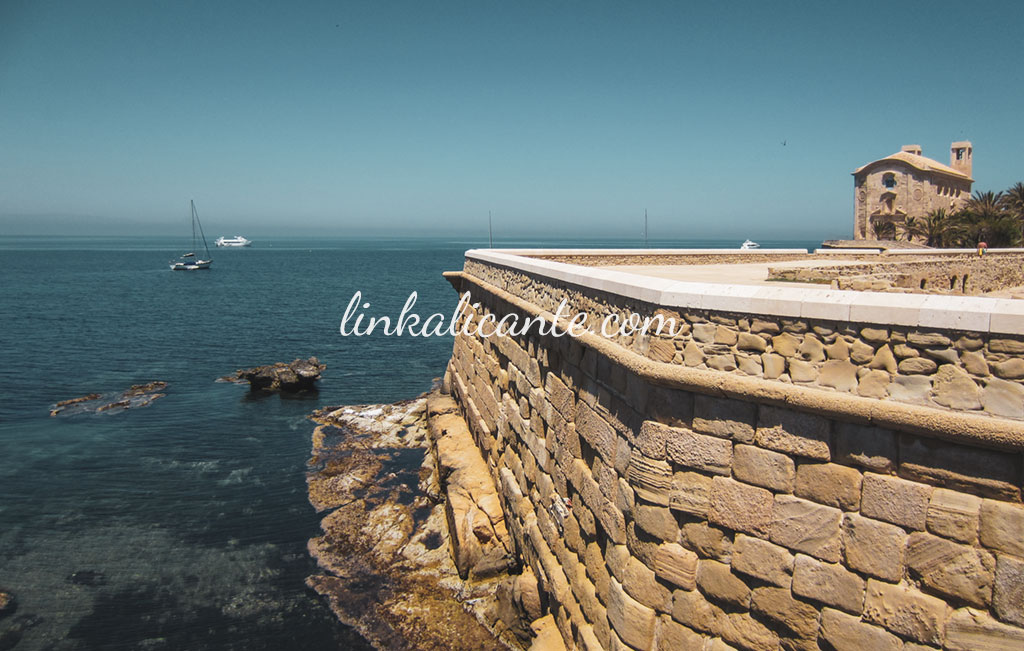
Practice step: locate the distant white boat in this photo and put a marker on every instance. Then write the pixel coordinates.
(237, 240)
(190, 261)
(748, 245)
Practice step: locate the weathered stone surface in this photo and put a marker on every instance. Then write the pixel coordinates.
(718, 582)
(1002, 527)
(807, 527)
(793, 432)
(596, 431)
(661, 350)
(740, 629)
(973, 630)
(828, 583)
(955, 389)
(765, 468)
(884, 360)
(740, 507)
(1003, 398)
(631, 620)
(873, 448)
(838, 349)
(691, 493)
(700, 452)
(1008, 593)
(990, 472)
(774, 365)
(762, 560)
(724, 362)
(704, 332)
(955, 515)
(874, 384)
(693, 355)
(779, 605)
(651, 479)
(844, 631)
(676, 564)
(915, 389)
(640, 583)
(560, 396)
(767, 327)
(811, 349)
(749, 364)
(928, 340)
(969, 342)
(917, 366)
(895, 500)
(1010, 346)
(801, 371)
(903, 351)
(657, 521)
(860, 352)
(673, 636)
(974, 363)
(707, 541)
(785, 344)
(747, 341)
(1011, 369)
(839, 374)
(952, 569)
(875, 335)
(725, 418)
(830, 484)
(874, 547)
(905, 611)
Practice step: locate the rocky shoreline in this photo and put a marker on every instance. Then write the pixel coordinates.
(385, 552)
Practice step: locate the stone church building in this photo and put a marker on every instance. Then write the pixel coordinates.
(890, 190)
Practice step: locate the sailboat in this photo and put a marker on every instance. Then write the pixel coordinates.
(190, 261)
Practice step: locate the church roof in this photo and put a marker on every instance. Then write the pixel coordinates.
(920, 162)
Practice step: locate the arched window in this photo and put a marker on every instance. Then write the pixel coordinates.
(889, 180)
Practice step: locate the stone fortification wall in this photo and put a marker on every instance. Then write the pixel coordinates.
(664, 504)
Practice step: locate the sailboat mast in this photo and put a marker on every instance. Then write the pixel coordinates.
(192, 205)
(195, 220)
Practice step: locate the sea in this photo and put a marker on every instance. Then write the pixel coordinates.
(183, 524)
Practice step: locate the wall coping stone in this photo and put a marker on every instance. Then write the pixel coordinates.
(971, 313)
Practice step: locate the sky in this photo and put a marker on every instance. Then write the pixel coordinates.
(562, 118)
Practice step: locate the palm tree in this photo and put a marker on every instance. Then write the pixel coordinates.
(984, 219)
(913, 227)
(1013, 203)
(937, 227)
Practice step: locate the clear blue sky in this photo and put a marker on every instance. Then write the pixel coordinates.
(400, 117)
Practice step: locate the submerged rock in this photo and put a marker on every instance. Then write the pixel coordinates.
(90, 578)
(7, 603)
(135, 396)
(295, 377)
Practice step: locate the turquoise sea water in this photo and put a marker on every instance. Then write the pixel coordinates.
(183, 525)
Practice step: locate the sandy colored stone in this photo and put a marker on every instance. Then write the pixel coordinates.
(726, 362)
(828, 583)
(1011, 369)
(661, 350)
(749, 364)
(807, 527)
(657, 521)
(952, 569)
(801, 371)
(772, 470)
(774, 365)
(1003, 398)
(943, 355)
(723, 417)
(838, 349)
(838, 374)
(973, 630)
(631, 620)
(917, 366)
(1002, 527)
(762, 560)
(691, 493)
(905, 611)
(860, 352)
(844, 631)
(969, 342)
(676, 564)
(873, 448)
(700, 452)
(779, 605)
(747, 341)
(903, 351)
(830, 484)
(673, 636)
(651, 479)
(740, 507)
(738, 629)
(895, 500)
(640, 583)
(707, 541)
(785, 344)
(954, 515)
(768, 327)
(1008, 590)
(1010, 346)
(953, 388)
(596, 431)
(884, 360)
(928, 339)
(704, 332)
(811, 349)
(911, 388)
(874, 384)
(875, 335)
(975, 363)
(793, 432)
(693, 355)
(718, 583)
(873, 547)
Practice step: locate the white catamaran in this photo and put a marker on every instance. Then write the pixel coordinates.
(190, 261)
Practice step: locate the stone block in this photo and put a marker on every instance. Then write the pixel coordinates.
(651, 439)
(597, 569)
(657, 521)
(874, 384)
(640, 582)
(915, 389)
(838, 374)
(632, 621)
(673, 636)
(700, 452)
(917, 366)
(955, 389)
(596, 431)
(1011, 369)
(560, 396)
(718, 583)
(895, 500)
(704, 332)
(747, 341)
(785, 344)
(693, 355)
(749, 364)
(669, 406)
(905, 611)
(738, 629)
(1008, 593)
(707, 541)
(764, 468)
(959, 571)
(828, 583)
(830, 484)
(801, 371)
(860, 352)
(990, 472)
(779, 605)
(873, 547)
(762, 560)
(722, 417)
(1002, 527)
(1003, 398)
(954, 515)
(806, 527)
(884, 360)
(844, 631)
(651, 479)
(724, 362)
(972, 630)
(661, 350)
(869, 447)
(676, 564)
(691, 493)
(740, 507)
(774, 365)
(793, 432)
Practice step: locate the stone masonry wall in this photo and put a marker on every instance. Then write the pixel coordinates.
(947, 369)
(657, 516)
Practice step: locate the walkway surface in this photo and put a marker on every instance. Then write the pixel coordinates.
(750, 273)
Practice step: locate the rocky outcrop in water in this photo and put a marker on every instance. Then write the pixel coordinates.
(137, 395)
(384, 552)
(295, 377)
(7, 602)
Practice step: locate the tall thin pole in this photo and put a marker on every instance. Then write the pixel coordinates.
(490, 231)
